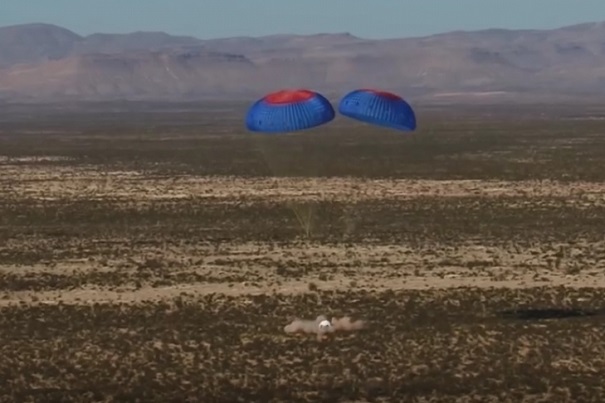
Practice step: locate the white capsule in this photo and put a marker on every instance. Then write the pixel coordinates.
(324, 325)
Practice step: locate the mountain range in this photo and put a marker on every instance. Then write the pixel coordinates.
(43, 62)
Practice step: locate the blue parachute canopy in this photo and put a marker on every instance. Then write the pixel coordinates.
(379, 108)
(288, 111)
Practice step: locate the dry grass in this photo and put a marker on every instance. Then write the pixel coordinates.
(134, 187)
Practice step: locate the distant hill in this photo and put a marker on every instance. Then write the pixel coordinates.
(42, 62)
(35, 43)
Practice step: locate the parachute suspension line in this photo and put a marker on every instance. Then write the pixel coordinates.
(378, 108)
(305, 221)
(287, 111)
(303, 214)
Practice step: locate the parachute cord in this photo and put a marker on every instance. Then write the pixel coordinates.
(303, 222)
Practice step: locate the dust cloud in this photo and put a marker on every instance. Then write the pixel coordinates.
(344, 324)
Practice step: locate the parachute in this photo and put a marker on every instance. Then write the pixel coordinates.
(292, 110)
(288, 111)
(380, 108)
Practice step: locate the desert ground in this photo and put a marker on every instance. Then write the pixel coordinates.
(155, 253)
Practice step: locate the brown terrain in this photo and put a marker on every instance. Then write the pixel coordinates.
(41, 62)
(158, 252)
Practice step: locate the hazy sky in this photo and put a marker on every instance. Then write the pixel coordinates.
(365, 18)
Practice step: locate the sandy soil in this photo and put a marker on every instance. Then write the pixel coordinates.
(40, 182)
(294, 267)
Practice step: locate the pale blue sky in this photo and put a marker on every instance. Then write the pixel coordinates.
(365, 18)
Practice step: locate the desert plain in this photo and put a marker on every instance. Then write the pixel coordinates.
(153, 252)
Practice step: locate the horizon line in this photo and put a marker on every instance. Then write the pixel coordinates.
(495, 28)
